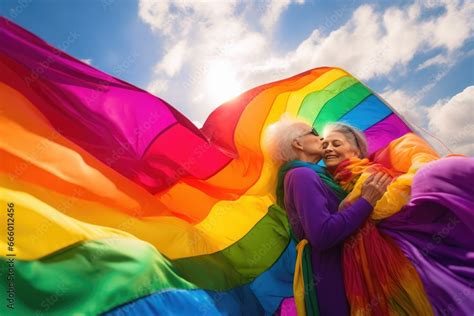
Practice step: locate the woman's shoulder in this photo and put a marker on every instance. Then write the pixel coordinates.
(303, 176)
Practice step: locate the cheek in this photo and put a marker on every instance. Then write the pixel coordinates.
(348, 153)
(319, 146)
(344, 151)
(315, 143)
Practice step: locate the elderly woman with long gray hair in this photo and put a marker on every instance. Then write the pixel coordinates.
(362, 228)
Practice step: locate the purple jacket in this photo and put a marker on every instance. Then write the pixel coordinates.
(312, 211)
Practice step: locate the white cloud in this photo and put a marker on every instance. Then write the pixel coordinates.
(273, 9)
(87, 61)
(158, 86)
(372, 44)
(406, 105)
(453, 121)
(448, 124)
(436, 60)
(452, 28)
(198, 124)
(211, 46)
(216, 48)
(177, 18)
(173, 60)
(409, 104)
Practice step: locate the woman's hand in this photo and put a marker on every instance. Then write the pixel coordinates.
(375, 186)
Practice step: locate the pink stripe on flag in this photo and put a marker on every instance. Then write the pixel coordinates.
(382, 133)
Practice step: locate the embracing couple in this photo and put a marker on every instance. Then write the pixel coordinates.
(393, 235)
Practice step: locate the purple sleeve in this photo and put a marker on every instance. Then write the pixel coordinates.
(306, 192)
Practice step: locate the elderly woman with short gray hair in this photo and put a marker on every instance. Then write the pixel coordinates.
(311, 199)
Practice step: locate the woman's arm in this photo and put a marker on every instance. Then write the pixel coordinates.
(308, 194)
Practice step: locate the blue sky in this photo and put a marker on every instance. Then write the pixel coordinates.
(196, 54)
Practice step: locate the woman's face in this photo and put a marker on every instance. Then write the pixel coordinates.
(336, 148)
(310, 144)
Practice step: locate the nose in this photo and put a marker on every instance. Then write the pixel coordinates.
(328, 148)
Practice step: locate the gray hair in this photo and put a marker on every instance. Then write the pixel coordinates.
(279, 137)
(353, 135)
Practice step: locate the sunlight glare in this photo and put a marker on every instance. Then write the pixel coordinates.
(222, 83)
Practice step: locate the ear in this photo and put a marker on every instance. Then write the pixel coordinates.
(356, 153)
(296, 144)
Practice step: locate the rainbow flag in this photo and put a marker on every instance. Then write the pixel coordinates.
(118, 203)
